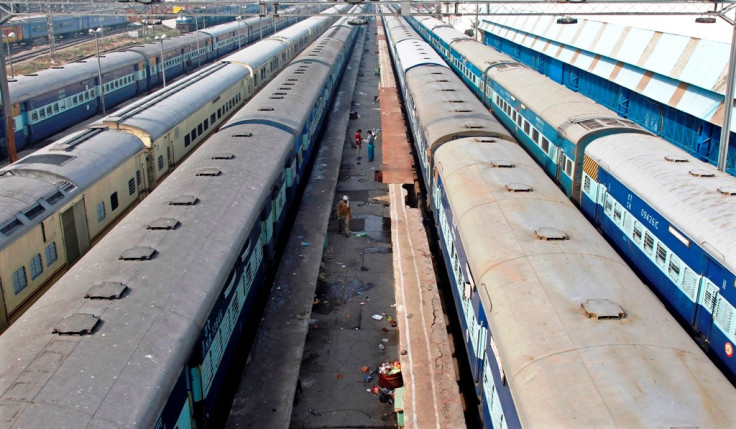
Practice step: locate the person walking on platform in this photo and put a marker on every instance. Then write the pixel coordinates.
(344, 215)
(371, 139)
(358, 140)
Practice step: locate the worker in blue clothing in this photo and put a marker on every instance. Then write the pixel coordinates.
(371, 140)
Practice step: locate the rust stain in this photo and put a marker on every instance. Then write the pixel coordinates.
(594, 63)
(679, 93)
(651, 46)
(685, 56)
(559, 50)
(616, 70)
(598, 36)
(575, 56)
(644, 81)
(620, 42)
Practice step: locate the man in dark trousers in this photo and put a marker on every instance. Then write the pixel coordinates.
(344, 215)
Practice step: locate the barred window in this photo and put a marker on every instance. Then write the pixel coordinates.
(51, 255)
(131, 186)
(36, 266)
(20, 282)
(648, 243)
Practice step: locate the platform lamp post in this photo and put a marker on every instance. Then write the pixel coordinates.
(728, 100)
(160, 39)
(7, 114)
(97, 33)
(240, 35)
(10, 59)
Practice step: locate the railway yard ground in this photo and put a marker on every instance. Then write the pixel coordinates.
(342, 306)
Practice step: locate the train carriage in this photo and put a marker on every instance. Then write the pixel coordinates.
(46, 104)
(672, 216)
(56, 203)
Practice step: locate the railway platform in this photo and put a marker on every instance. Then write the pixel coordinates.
(341, 306)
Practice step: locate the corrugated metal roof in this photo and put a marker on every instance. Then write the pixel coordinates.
(686, 73)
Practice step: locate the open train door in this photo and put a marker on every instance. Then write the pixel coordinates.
(74, 231)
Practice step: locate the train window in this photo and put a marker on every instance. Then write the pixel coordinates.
(608, 208)
(648, 243)
(674, 267)
(617, 213)
(131, 186)
(545, 144)
(36, 266)
(518, 120)
(50, 254)
(199, 129)
(213, 118)
(160, 162)
(513, 115)
(568, 166)
(187, 140)
(20, 281)
(114, 201)
(138, 177)
(43, 114)
(193, 135)
(535, 135)
(637, 233)
(219, 113)
(526, 127)
(206, 124)
(101, 214)
(56, 107)
(661, 255)
(34, 116)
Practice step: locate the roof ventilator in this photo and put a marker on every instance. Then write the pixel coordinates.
(502, 164)
(223, 155)
(698, 172)
(518, 187)
(165, 223)
(727, 190)
(473, 126)
(484, 140)
(138, 253)
(245, 134)
(549, 234)
(106, 290)
(602, 309)
(675, 158)
(209, 172)
(265, 109)
(77, 324)
(184, 200)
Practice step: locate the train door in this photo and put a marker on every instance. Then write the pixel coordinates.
(708, 298)
(560, 163)
(74, 231)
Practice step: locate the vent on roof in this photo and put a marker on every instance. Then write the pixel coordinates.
(77, 324)
(223, 155)
(727, 190)
(675, 158)
(275, 97)
(34, 211)
(455, 101)
(289, 83)
(602, 309)
(65, 186)
(138, 253)
(473, 126)
(284, 88)
(246, 134)
(697, 172)
(49, 158)
(184, 200)
(54, 197)
(448, 90)
(518, 187)
(549, 233)
(265, 109)
(292, 80)
(435, 72)
(209, 171)
(164, 223)
(10, 225)
(441, 80)
(462, 110)
(502, 164)
(485, 140)
(279, 93)
(106, 290)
